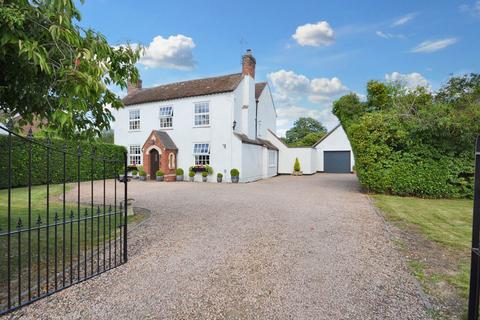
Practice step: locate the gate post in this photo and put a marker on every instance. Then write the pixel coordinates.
(125, 180)
(474, 266)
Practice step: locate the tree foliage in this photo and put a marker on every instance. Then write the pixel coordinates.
(55, 70)
(305, 132)
(414, 142)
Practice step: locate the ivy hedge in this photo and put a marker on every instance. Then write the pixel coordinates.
(113, 155)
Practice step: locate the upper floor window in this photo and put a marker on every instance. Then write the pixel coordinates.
(202, 114)
(134, 120)
(201, 151)
(135, 155)
(166, 117)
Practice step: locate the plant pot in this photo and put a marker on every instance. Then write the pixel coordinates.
(235, 179)
(204, 179)
(143, 178)
(179, 178)
(219, 179)
(160, 178)
(192, 179)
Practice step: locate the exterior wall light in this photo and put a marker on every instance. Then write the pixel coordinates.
(234, 124)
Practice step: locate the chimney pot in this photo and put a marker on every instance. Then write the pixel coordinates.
(248, 64)
(133, 87)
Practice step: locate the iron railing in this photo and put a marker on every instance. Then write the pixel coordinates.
(49, 244)
(473, 300)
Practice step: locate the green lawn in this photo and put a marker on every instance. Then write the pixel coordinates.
(447, 223)
(100, 230)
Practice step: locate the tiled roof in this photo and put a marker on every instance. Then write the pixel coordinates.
(259, 89)
(259, 142)
(185, 89)
(166, 140)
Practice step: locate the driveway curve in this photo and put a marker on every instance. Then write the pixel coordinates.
(308, 247)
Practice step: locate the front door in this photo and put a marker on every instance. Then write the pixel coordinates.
(154, 162)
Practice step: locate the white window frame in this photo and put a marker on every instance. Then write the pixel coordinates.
(134, 158)
(201, 153)
(201, 116)
(134, 122)
(166, 117)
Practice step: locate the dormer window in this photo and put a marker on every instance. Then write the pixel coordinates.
(166, 117)
(202, 114)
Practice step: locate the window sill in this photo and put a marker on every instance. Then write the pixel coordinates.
(203, 126)
(139, 130)
(169, 128)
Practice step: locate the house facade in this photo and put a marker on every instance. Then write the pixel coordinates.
(221, 121)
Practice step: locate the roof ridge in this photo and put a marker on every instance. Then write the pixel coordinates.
(207, 78)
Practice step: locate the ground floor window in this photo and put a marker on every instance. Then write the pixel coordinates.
(201, 151)
(135, 155)
(272, 158)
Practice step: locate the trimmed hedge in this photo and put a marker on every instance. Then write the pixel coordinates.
(20, 161)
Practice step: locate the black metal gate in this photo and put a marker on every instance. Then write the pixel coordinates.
(475, 267)
(49, 244)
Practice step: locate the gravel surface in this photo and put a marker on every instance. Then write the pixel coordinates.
(308, 247)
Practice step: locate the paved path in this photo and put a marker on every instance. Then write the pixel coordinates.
(307, 247)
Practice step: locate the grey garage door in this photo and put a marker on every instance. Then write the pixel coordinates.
(336, 161)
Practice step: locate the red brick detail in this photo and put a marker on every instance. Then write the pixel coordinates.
(248, 64)
(154, 142)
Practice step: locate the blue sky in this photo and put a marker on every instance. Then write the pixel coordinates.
(311, 52)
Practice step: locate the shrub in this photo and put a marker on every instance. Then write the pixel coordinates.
(142, 173)
(140, 168)
(219, 175)
(204, 174)
(160, 173)
(20, 153)
(209, 169)
(191, 174)
(179, 172)
(296, 166)
(234, 172)
(134, 172)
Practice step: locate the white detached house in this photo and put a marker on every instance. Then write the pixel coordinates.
(222, 122)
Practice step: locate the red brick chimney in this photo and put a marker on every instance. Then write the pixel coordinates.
(248, 64)
(132, 87)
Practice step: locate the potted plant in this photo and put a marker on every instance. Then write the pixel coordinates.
(191, 174)
(296, 168)
(179, 173)
(235, 174)
(204, 176)
(134, 174)
(143, 175)
(219, 177)
(160, 175)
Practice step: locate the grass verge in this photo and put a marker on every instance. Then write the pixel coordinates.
(435, 235)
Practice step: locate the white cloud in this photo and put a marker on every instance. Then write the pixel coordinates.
(410, 80)
(288, 114)
(174, 52)
(473, 9)
(387, 35)
(404, 19)
(290, 87)
(315, 35)
(432, 46)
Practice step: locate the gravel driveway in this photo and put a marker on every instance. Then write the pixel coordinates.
(308, 247)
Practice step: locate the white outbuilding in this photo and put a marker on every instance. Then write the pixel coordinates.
(331, 154)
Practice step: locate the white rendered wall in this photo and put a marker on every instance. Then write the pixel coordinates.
(287, 156)
(266, 114)
(184, 133)
(337, 140)
(252, 162)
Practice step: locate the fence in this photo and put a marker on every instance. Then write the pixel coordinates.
(51, 239)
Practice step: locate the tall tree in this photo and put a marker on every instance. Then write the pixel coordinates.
(52, 69)
(304, 131)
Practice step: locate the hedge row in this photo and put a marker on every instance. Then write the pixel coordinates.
(113, 154)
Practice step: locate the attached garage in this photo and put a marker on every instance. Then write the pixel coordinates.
(336, 161)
